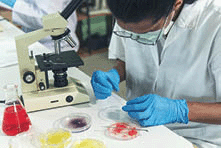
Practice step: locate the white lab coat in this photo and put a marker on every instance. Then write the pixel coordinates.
(28, 14)
(187, 65)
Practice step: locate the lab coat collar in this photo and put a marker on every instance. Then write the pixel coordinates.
(190, 14)
(188, 19)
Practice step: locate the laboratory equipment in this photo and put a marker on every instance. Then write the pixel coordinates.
(38, 92)
(76, 122)
(15, 118)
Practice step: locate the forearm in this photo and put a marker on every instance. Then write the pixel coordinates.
(205, 112)
(120, 67)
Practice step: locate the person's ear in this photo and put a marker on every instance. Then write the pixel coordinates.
(178, 4)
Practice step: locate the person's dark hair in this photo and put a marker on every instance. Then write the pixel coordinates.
(189, 1)
(137, 10)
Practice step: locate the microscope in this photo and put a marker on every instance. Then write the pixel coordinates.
(38, 91)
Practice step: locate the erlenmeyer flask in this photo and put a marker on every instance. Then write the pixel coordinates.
(15, 118)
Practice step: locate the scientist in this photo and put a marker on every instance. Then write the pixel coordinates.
(28, 14)
(169, 53)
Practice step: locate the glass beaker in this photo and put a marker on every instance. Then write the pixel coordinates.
(15, 118)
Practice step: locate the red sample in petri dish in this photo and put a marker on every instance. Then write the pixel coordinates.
(122, 131)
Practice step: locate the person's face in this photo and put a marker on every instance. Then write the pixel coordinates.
(144, 26)
(147, 25)
(144, 32)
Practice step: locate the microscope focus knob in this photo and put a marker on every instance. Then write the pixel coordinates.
(41, 86)
(29, 77)
(69, 99)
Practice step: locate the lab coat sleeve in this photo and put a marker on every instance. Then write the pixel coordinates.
(27, 14)
(216, 64)
(117, 45)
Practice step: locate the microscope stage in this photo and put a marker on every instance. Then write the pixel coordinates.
(71, 58)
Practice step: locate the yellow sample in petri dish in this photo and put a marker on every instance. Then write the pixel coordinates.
(56, 138)
(89, 143)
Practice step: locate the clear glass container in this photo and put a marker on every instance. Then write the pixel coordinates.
(15, 118)
(24, 140)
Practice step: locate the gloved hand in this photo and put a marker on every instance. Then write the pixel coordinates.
(9, 2)
(104, 83)
(150, 110)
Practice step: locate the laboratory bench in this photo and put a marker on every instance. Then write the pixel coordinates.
(103, 113)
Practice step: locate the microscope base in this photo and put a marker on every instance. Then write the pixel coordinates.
(74, 93)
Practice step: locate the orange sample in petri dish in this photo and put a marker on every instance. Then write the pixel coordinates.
(122, 131)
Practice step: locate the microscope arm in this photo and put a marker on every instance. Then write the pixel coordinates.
(26, 62)
(53, 24)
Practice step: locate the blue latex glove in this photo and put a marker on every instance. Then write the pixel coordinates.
(150, 110)
(9, 2)
(104, 83)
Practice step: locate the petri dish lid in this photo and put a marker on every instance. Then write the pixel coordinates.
(122, 131)
(77, 122)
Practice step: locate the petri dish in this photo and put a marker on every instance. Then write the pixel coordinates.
(55, 138)
(113, 113)
(77, 122)
(122, 131)
(88, 143)
(116, 114)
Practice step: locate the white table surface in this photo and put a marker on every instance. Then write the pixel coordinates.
(157, 137)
